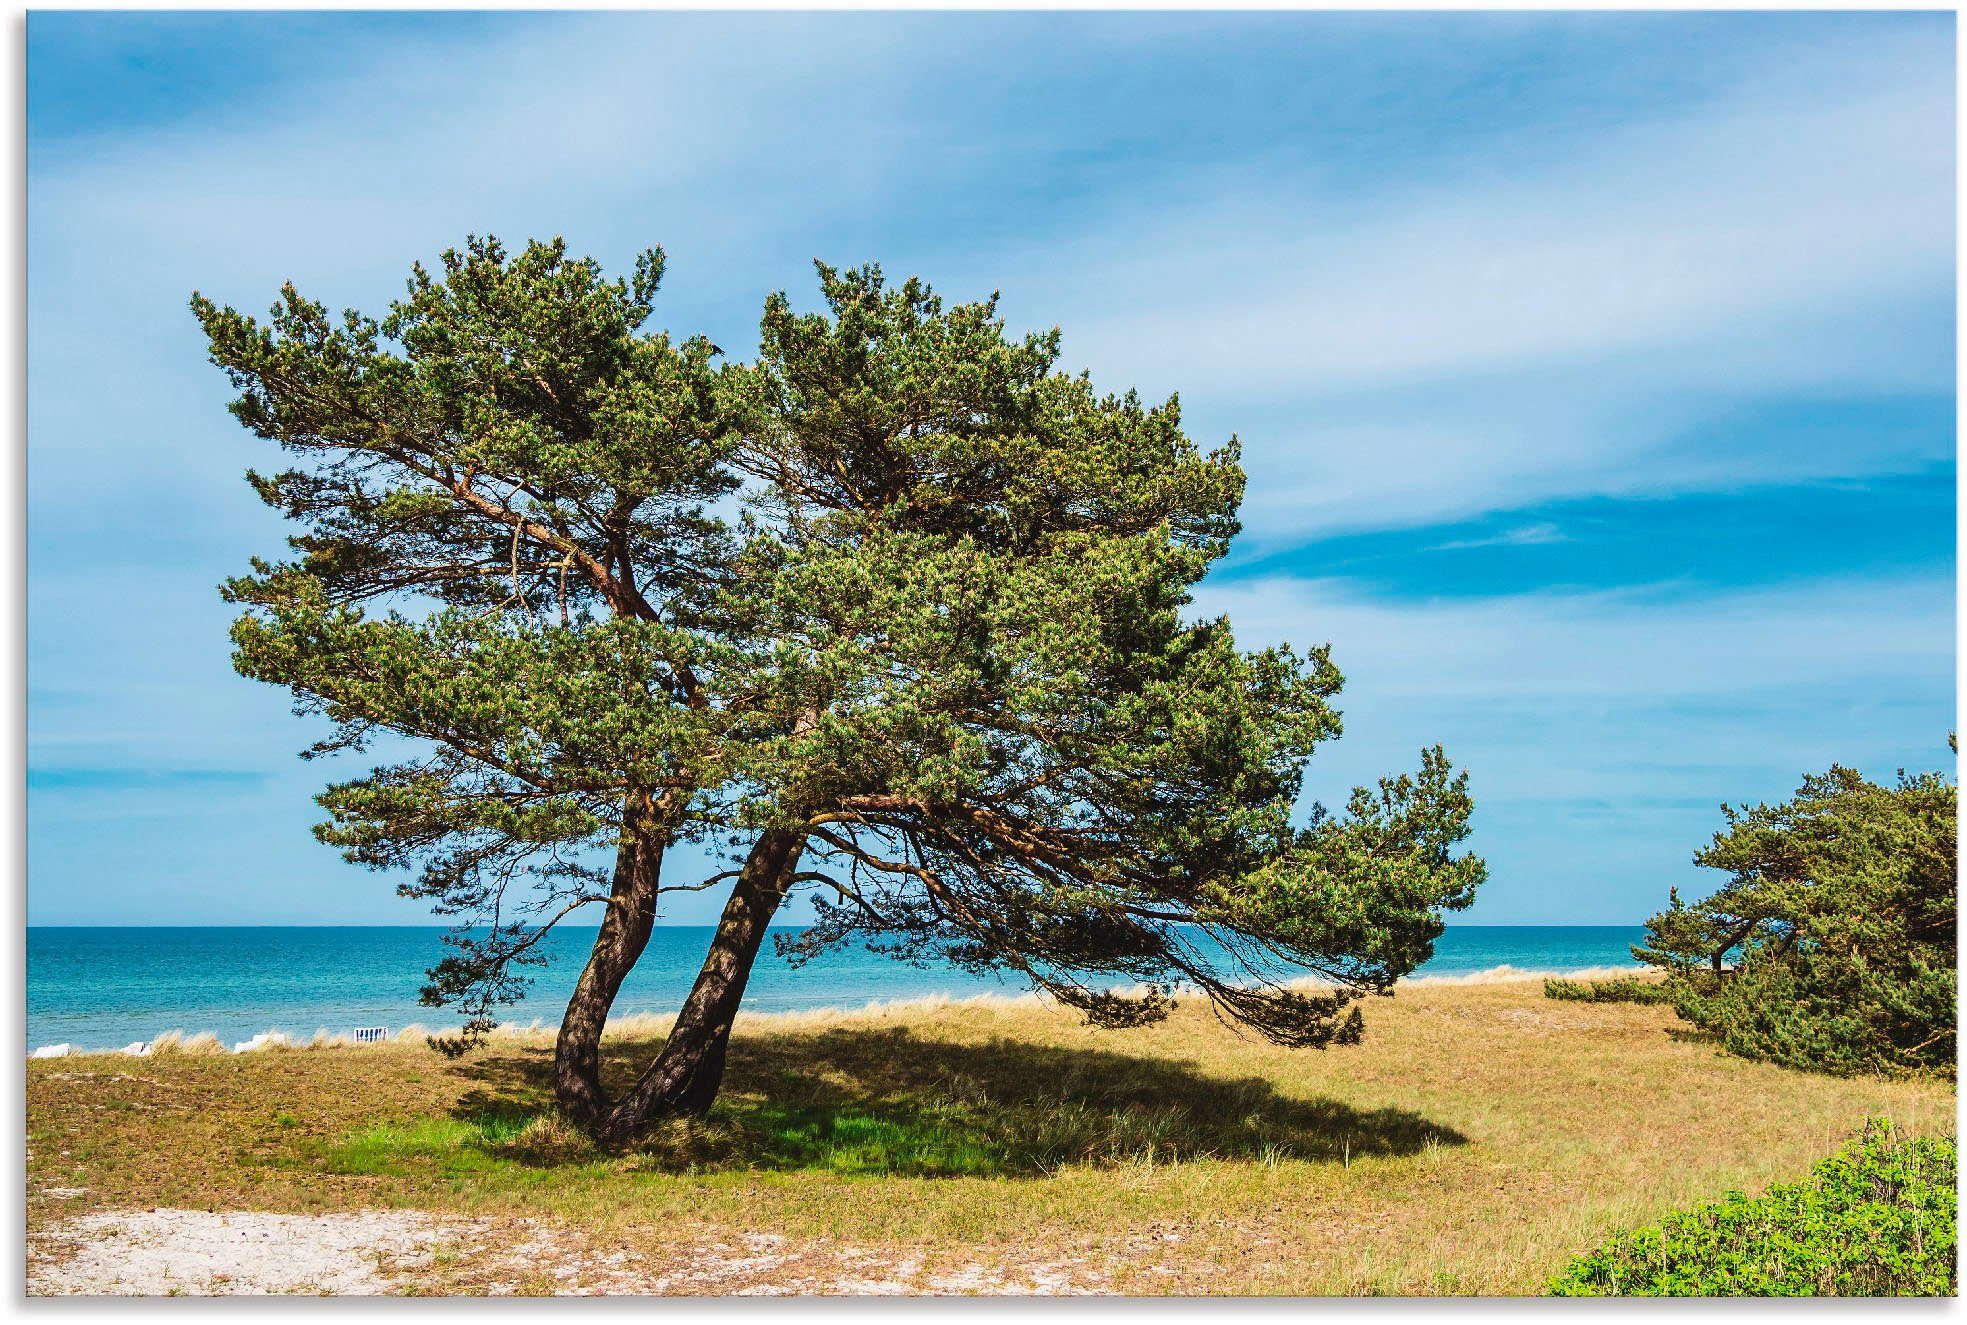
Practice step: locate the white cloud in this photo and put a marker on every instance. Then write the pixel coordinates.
(1787, 195)
(1488, 340)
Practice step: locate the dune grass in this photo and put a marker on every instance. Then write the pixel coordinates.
(1480, 1138)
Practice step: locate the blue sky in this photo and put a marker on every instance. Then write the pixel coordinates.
(1594, 371)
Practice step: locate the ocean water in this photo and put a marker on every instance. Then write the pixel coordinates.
(103, 987)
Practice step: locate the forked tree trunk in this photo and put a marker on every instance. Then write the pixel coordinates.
(686, 1075)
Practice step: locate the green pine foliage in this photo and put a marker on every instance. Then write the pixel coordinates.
(1833, 944)
(1877, 1219)
(1619, 989)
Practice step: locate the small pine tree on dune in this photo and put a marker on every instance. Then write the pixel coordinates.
(892, 615)
(1833, 945)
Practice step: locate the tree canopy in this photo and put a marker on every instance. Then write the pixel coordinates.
(1833, 944)
(895, 614)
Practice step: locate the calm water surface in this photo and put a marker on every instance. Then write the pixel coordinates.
(100, 988)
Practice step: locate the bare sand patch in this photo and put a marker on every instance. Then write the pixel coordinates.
(163, 1253)
(160, 1253)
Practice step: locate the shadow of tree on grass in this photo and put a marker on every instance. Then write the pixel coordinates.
(887, 1101)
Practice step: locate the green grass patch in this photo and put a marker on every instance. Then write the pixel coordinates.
(1877, 1219)
(449, 1146)
(894, 1105)
(930, 1138)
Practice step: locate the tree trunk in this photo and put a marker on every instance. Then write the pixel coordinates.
(685, 1077)
(624, 934)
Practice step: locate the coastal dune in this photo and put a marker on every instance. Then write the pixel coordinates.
(1478, 1138)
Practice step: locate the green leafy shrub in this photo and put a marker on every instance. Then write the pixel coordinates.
(1833, 945)
(1877, 1219)
(1620, 989)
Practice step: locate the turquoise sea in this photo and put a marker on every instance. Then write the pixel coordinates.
(103, 987)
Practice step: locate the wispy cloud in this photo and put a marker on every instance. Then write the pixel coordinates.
(1529, 535)
(1518, 325)
(1787, 200)
(1486, 340)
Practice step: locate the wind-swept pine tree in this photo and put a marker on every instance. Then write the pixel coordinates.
(1834, 943)
(936, 669)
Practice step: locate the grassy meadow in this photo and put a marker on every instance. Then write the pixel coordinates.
(1479, 1138)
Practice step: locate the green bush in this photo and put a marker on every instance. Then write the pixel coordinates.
(1877, 1219)
(1620, 989)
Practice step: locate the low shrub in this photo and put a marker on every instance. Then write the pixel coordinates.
(1621, 989)
(1876, 1219)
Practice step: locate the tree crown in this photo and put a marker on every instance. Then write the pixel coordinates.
(941, 633)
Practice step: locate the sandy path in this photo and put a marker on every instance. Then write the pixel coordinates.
(197, 1252)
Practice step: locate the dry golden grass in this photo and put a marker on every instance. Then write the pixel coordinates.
(1478, 1138)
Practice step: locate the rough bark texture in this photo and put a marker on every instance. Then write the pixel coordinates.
(685, 1076)
(624, 933)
